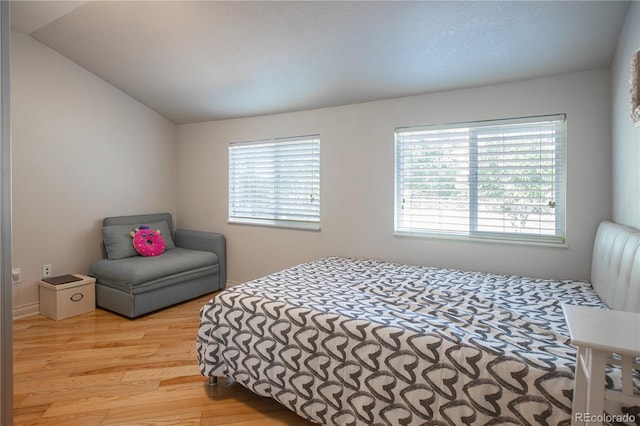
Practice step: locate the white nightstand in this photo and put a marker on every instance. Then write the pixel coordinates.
(598, 333)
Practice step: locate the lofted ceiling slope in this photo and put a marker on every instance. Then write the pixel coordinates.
(211, 60)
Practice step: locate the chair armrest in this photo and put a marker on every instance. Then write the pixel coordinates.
(206, 241)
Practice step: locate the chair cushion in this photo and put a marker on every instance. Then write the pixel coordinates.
(118, 241)
(138, 274)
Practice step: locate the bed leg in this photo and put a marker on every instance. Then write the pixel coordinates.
(213, 381)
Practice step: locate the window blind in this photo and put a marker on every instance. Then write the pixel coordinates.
(501, 179)
(275, 182)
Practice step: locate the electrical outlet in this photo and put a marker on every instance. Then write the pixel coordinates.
(47, 270)
(16, 275)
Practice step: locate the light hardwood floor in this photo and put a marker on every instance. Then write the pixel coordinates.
(102, 369)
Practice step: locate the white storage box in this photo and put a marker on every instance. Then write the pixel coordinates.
(67, 295)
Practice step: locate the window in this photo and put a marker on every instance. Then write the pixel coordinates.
(275, 182)
(502, 179)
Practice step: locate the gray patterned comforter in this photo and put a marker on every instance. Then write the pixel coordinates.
(362, 342)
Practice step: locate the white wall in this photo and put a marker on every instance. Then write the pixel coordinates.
(82, 150)
(625, 137)
(357, 155)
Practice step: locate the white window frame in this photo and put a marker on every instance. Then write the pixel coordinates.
(413, 218)
(275, 182)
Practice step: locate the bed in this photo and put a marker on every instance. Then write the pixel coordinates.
(345, 341)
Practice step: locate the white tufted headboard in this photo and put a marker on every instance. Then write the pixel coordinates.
(615, 268)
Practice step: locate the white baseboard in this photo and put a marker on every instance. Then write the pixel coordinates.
(26, 310)
(34, 308)
(230, 284)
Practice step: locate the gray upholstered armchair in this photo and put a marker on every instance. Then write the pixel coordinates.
(193, 264)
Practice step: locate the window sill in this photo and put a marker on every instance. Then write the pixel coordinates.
(277, 224)
(491, 240)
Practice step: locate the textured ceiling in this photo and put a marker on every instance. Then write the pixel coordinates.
(201, 61)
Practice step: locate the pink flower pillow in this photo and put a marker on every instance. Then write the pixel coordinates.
(148, 242)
